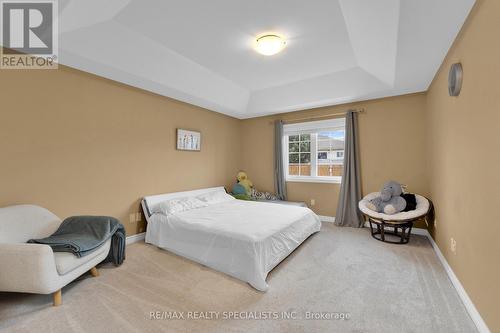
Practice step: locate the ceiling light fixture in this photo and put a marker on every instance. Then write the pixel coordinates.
(270, 44)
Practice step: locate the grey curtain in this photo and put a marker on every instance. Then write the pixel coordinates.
(279, 172)
(348, 214)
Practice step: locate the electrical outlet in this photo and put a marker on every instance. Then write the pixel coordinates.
(135, 217)
(453, 245)
(313, 202)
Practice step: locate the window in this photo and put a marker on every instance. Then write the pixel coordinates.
(314, 151)
(299, 154)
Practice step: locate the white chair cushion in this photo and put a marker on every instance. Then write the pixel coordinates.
(20, 223)
(66, 261)
(422, 209)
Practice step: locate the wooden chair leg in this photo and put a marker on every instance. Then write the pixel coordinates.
(57, 297)
(94, 272)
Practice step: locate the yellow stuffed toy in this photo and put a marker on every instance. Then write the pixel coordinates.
(245, 182)
(244, 190)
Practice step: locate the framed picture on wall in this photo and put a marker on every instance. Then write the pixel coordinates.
(188, 140)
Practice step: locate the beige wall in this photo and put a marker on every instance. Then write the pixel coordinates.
(79, 144)
(464, 165)
(392, 146)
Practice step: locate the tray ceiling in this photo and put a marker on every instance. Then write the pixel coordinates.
(201, 52)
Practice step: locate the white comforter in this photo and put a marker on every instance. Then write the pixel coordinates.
(243, 239)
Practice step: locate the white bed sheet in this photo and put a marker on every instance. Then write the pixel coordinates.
(244, 239)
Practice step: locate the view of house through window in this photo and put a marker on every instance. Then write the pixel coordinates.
(331, 153)
(314, 151)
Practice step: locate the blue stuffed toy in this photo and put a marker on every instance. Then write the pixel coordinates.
(390, 200)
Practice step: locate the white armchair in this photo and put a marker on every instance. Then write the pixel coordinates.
(35, 268)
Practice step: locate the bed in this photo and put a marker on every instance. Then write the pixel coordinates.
(244, 239)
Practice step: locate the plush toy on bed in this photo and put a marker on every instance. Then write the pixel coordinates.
(243, 180)
(244, 190)
(390, 200)
(263, 196)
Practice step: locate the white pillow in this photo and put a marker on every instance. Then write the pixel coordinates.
(215, 197)
(174, 206)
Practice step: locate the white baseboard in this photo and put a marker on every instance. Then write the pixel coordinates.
(471, 309)
(329, 219)
(469, 306)
(135, 238)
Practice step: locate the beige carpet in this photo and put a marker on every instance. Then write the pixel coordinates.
(380, 287)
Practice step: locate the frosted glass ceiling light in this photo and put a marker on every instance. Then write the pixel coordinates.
(270, 44)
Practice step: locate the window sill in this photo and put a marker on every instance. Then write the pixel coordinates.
(336, 180)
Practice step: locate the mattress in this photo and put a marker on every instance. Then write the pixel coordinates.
(280, 202)
(244, 239)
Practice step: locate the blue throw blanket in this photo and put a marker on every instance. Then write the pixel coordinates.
(82, 235)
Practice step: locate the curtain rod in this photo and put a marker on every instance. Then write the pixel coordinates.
(324, 116)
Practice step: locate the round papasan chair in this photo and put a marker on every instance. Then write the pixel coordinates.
(380, 222)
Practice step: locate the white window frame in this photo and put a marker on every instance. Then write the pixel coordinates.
(312, 128)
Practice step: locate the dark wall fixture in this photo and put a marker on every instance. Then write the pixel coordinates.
(455, 78)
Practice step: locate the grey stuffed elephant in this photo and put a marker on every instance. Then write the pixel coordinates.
(390, 201)
(391, 189)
